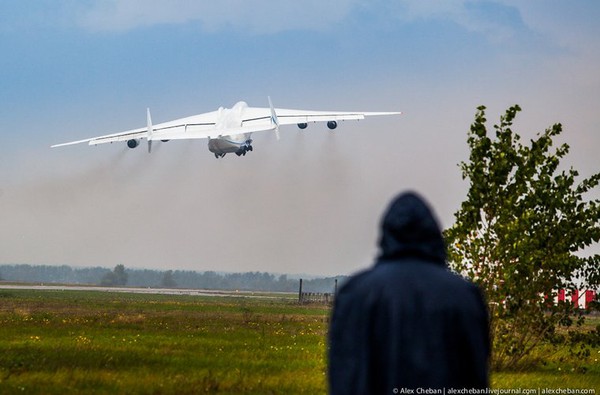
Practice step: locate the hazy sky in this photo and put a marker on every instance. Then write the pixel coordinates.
(310, 203)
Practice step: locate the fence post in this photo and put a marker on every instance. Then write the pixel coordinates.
(575, 298)
(589, 298)
(300, 292)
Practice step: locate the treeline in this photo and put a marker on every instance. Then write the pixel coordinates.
(120, 275)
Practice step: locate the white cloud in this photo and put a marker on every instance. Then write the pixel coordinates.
(496, 20)
(426, 9)
(566, 24)
(257, 16)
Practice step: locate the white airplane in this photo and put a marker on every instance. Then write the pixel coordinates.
(227, 130)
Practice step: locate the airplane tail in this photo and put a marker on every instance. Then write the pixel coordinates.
(150, 130)
(274, 119)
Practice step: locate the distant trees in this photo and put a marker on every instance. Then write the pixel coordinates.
(116, 278)
(167, 280)
(249, 281)
(520, 234)
(52, 274)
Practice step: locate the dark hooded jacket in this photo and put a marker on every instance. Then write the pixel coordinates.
(408, 322)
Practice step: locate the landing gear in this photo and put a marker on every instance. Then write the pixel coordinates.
(245, 148)
(219, 155)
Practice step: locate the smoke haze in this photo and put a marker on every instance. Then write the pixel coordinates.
(309, 203)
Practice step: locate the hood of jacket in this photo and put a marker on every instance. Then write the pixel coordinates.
(409, 229)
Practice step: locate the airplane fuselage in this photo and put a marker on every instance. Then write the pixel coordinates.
(238, 144)
(227, 119)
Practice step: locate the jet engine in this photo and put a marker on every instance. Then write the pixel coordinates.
(302, 125)
(133, 143)
(332, 125)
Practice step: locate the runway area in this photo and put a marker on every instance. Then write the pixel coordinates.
(154, 291)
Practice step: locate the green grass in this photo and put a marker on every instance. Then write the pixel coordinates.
(56, 342)
(558, 367)
(79, 342)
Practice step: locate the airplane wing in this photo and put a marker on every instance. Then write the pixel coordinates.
(197, 126)
(289, 117)
(262, 118)
(224, 122)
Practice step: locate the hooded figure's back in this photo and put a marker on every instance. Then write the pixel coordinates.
(408, 322)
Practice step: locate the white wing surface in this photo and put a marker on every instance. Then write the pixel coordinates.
(197, 126)
(289, 117)
(225, 122)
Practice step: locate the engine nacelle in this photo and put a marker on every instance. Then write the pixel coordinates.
(303, 125)
(133, 143)
(332, 125)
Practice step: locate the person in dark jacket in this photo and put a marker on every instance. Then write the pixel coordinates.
(408, 322)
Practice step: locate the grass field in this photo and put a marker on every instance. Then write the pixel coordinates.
(57, 342)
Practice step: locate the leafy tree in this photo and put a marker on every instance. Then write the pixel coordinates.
(167, 280)
(118, 277)
(108, 280)
(520, 234)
